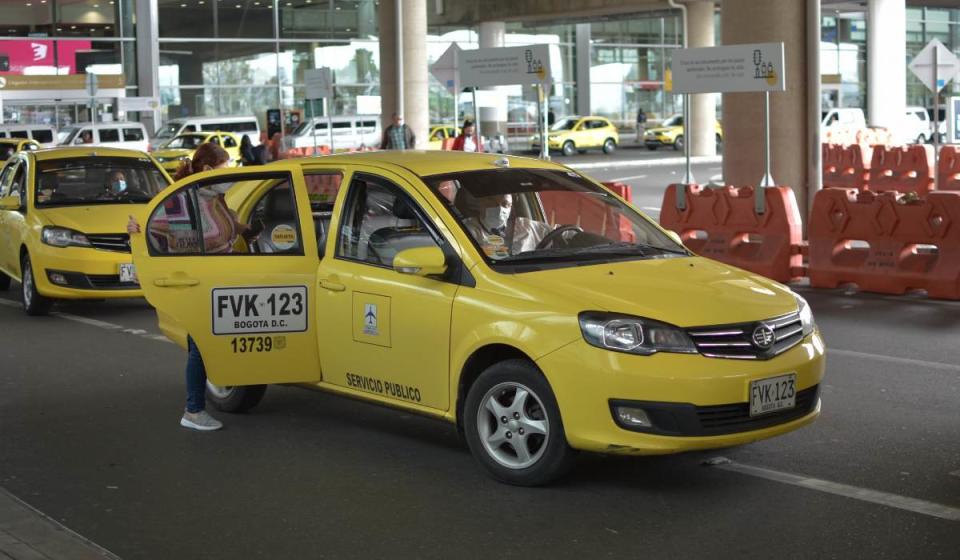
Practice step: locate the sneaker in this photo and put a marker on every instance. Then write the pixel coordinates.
(200, 421)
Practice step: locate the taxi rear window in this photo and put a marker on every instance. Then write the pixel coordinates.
(97, 180)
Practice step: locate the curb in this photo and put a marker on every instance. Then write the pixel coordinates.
(664, 162)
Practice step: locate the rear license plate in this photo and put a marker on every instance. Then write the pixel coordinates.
(773, 394)
(128, 274)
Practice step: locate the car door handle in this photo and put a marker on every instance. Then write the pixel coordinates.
(329, 284)
(179, 282)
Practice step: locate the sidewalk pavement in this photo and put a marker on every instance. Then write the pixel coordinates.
(28, 534)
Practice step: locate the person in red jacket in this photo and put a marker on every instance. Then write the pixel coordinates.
(468, 141)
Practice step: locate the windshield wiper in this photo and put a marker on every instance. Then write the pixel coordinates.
(630, 248)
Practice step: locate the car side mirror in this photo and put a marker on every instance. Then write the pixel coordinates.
(675, 236)
(10, 203)
(420, 261)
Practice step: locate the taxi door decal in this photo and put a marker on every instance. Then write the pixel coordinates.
(371, 319)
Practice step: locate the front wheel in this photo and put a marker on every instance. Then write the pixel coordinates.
(34, 304)
(609, 146)
(678, 143)
(513, 427)
(235, 399)
(569, 149)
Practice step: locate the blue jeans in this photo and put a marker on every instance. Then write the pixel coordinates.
(196, 378)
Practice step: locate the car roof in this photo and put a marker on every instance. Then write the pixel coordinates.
(425, 163)
(104, 124)
(85, 151)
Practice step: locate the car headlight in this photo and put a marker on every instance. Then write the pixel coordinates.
(633, 335)
(63, 237)
(806, 316)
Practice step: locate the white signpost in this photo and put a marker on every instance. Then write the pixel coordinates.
(935, 66)
(133, 104)
(319, 85)
(730, 69)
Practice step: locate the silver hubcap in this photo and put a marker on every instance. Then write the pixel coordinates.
(27, 284)
(218, 391)
(513, 425)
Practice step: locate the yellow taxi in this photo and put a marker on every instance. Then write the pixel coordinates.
(10, 146)
(670, 133)
(573, 134)
(439, 133)
(181, 147)
(513, 297)
(63, 217)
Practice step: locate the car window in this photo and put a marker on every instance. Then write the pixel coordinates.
(82, 181)
(229, 142)
(322, 188)
(109, 135)
(379, 221)
(564, 124)
(43, 136)
(18, 185)
(6, 177)
(275, 218)
(132, 135)
(185, 142)
(7, 150)
(19, 134)
(215, 140)
(190, 128)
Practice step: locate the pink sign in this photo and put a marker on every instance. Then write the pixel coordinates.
(22, 54)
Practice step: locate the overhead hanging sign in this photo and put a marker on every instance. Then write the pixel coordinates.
(319, 83)
(730, 68)
(935, 77)
(445, 68)
(505, 66)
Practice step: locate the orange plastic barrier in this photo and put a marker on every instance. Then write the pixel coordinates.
(846, 166)
(884, 243)
(948, 171)
(447, 144)
(591, 214)
(902, 168)
(722, 224)
(621, 189)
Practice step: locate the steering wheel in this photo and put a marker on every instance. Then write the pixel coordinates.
(556, 234)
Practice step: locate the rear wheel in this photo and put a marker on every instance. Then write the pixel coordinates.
(609, 146)
(235, 399)
(513, 427)
(569, 149)
(33, 303)
(678, 143)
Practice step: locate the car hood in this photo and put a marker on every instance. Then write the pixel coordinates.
(686, 292)
(173, 153)
(661, 130)
(102, 218)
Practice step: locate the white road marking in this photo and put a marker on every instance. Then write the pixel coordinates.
(659, 162)
(650, 209)
(98, 323)
(857, 493)
(894, 359)
(630, 178)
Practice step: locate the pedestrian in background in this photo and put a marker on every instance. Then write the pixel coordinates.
(398, 136)
(641, 124)
(468, 141)
(247, 153)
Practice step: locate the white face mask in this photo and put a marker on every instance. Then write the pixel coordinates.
(496, 217)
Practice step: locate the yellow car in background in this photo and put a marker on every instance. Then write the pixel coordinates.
(514, 297)
(439, 133)
(578, 134)
(182, 147)
(11, 146)
(670, 133)
(63, 222)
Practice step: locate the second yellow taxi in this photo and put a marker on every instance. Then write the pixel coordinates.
(181, 147)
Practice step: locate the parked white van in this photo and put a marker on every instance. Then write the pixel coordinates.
(248, 126)
(349, 132)
(44, 135)
(130, 135)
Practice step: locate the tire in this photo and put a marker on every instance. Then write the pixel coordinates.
(33, 303)
(921, 139)
(235, 399)
(546, 456)
(609, 146)
(678, 143)
(652, 148)
(569, 149)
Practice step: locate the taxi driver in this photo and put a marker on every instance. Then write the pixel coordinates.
(491, 221)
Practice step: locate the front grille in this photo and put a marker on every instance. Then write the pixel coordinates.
(688, 420)
(736, 341)
(110, 282)
(732, 418)
(119, 242)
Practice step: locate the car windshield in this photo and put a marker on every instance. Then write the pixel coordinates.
(168, 130)
(676, 120)
(66, 135)
(565, 124)
(97, 180)
(302, 128)
(185, 142)
(549, 217)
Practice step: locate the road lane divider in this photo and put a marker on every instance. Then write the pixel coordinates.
(897, 501)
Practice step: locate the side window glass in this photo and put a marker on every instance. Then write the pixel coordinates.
(43, 136)
(109, 135)
(379, 221)
(189, 128)
(215, 140)
(132, 135)
(173, 229)
(20, 134)
(229, 142)
(6, 178)
(322, 188)
(273, 225)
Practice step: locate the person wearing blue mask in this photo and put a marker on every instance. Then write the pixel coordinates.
(118, 182)
(492, 223)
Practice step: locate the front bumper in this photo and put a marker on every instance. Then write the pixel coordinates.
(588, 380)
(90, 273)
(655, 141)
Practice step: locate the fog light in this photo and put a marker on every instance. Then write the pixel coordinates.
(58, 278)
(631, 416)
